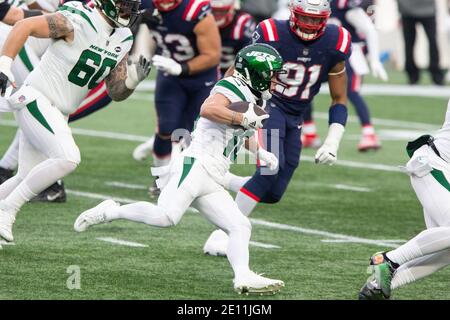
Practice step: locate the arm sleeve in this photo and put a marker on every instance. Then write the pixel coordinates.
(363, 24)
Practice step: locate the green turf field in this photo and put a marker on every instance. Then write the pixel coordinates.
(324, 256)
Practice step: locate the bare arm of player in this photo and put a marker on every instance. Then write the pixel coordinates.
(209, 46)
(14, 14)
(115, 82)
(215, 108)
(337, 81)
(54, 26)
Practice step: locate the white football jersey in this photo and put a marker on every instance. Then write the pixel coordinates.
(216, 145)
(68, 71)
(442, 141)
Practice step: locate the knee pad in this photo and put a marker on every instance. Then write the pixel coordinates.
(66, 166)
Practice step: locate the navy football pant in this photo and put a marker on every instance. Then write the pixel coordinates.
(282, 137)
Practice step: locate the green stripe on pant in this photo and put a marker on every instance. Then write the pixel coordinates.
(36, 113)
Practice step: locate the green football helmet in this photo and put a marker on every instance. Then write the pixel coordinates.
(256, 64)
(123, 13)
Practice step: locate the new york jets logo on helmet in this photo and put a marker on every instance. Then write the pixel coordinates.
(256, 65)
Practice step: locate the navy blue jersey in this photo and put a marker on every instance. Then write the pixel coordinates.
(174, 30)
(235, 36)
(4, 8)
(339, 9)
(308, 63)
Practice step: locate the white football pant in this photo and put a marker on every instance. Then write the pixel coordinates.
(47, 150)
(430, 250)
(187, 183)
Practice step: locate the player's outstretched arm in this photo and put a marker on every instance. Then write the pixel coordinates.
(126, 76)
(337, 80)
(15, 14)
(54, 26)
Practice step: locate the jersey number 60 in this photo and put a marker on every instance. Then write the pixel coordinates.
(85, 70)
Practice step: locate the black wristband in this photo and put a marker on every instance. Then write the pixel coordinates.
(31, 13)
(184, 69)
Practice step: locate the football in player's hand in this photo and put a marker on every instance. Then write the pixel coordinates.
(243, 107)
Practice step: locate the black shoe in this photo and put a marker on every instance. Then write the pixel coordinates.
(55, 193)
(5, 174)
(153, 190)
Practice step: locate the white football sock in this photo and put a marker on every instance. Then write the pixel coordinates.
(8, 186)
(245, 203)
(233, 182)
(38, 179)
(237, 251)
(427, 242)
(143, 212)
(11, 157)
(420, 268)
(161, 162)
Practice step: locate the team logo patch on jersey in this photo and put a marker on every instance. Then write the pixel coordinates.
(117, 49)
(306, 52)
(22, 98)
(255, 36)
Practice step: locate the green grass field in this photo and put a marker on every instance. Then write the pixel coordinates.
(172, 265)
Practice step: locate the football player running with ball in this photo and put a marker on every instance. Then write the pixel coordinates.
(89, 45)
(195, 177)
(313, 52)
(429, 251)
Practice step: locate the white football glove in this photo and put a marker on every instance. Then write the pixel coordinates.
(378, 70)
(327, 154)
(137, 71)
(250, 120)
(167, 65)
(268, 157)
(6, 74)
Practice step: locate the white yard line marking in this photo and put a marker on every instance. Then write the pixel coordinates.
(260, 222)
(126, 185)
(99, 196)
(396, 243)
(123, 242)
(388, 122)
(264, 245)
(5, 243)
(361, 165)
(92, 133)
(327, 234)
(350, 188)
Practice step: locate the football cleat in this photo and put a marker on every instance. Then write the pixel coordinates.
(311, 141)
(144, 150)
(378, 285)
(217, 244)
(5, 174)
(369, 142)
(7, 219)
(96, 215)
(55, 193)
(252, 283)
